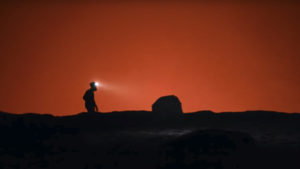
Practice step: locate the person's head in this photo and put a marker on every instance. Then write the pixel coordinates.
(93, 86)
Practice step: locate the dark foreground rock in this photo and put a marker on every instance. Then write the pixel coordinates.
(138, 139)
(213, 149)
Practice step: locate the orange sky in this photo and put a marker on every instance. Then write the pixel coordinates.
(220, 56)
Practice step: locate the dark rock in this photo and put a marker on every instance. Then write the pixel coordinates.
(167, 106)
(208, 149)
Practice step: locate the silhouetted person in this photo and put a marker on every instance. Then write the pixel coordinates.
(89, 99)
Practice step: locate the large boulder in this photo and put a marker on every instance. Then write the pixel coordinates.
(167, 106)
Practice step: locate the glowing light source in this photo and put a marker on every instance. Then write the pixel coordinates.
(96, 84)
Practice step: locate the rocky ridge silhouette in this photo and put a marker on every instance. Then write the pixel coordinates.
(148, 139)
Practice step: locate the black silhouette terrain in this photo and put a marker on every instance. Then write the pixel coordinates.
(144, 139)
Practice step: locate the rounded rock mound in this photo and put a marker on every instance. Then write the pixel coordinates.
(167, 106)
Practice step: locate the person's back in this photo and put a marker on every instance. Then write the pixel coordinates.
(89, 99)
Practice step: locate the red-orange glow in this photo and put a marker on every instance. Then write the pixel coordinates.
(218, 56)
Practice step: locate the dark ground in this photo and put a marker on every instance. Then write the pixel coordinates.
(143, 140)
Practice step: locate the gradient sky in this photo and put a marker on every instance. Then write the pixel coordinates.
(220, 56)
